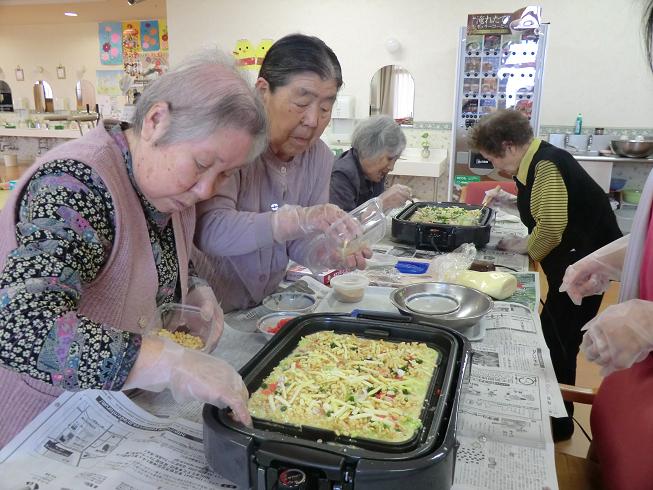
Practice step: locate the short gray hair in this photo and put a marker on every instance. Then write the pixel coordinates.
(376, 135)
(204, 93)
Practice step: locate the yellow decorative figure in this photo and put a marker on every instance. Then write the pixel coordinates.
(244, 54)
(262, 49)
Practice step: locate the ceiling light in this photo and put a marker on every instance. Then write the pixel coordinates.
(70, 14)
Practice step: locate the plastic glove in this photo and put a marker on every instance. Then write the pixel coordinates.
(592, 274)
(190, 375)
(514, 244)
(292, 222)
(620, 336)
(325, 253)
(396, 196)
(203, 297)
(500, 199)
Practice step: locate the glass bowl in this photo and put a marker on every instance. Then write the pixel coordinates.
(290, 302)
(183, 324)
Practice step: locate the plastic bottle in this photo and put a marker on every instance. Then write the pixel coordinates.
(579, 124)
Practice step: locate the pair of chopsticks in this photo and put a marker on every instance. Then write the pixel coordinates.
(488, 199)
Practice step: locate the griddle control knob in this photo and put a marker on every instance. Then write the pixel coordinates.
(292, 479)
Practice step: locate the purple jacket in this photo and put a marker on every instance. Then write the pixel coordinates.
(237, 253)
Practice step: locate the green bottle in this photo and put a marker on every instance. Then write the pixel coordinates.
(579, 124)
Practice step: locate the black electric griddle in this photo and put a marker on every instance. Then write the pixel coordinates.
(439, 236)
(255, 457)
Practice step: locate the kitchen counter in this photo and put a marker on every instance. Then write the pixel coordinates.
(40, 133)
(584, 157)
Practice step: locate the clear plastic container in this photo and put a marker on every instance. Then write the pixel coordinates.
(185, 323)
(349, 288)
(371, 228)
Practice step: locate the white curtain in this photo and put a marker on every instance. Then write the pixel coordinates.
(403, 88)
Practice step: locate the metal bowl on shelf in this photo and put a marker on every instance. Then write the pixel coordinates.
(632, 148)
(440, 303)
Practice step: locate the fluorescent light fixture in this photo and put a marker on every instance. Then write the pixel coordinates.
(70, 14)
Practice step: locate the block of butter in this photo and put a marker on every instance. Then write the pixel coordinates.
(499, 285)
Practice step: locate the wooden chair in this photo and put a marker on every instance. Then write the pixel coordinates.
(576, 473)
(474, 192)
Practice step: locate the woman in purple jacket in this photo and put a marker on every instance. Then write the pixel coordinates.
(267, 212)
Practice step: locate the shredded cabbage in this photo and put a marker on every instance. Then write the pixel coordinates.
(357, 387)
(453, 215)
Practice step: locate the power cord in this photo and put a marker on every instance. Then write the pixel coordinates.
(583, 429)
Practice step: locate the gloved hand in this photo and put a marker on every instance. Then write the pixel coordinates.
(514, 244)
(292, 222)
(620, 336)
(497, 198)
(592, 274)
(325, 253)
(190, 375)
(203, 297)
(396, 196)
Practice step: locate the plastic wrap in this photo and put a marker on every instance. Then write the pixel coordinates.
(458, 260)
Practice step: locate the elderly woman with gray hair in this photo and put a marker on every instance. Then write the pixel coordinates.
(97, 235)
(359, 174)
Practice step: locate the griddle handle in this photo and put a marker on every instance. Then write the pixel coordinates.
(382, 316)
(301, 457)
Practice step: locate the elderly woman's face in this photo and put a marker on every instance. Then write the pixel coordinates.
(297, 112)
(508, 162)
(176, 176)
(375, 169)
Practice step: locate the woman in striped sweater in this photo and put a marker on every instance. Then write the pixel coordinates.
(568, 216)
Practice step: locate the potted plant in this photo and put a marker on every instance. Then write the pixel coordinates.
(426, 152)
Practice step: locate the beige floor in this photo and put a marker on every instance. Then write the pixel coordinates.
(588, 376)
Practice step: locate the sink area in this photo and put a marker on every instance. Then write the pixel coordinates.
(412, 163)
(582, 145)
(586, 153)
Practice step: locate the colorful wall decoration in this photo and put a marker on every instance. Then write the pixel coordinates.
(248, 56)
(108, 82)
(141, 47)
(130, 46)
(163, 31)
(150, 35)
(110, 38)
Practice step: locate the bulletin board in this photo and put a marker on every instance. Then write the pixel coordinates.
(140, 47)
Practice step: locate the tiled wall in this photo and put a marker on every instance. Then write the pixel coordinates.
(29, 149)
(440, 137)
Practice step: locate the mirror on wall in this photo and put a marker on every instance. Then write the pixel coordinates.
(43, 97)
(85, 95)
(392, 92)
(6, 101)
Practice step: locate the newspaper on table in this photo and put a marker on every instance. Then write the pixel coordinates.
(528, 290)
(504, 434)
(102, 440)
